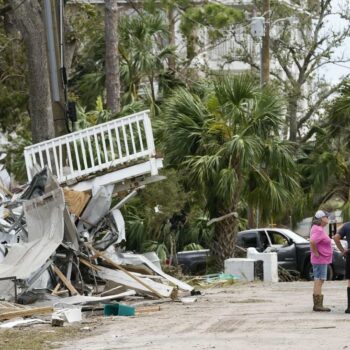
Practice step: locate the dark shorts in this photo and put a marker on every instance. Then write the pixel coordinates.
(347, 267)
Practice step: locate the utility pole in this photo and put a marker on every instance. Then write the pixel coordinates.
(265, 50)
(53, 15)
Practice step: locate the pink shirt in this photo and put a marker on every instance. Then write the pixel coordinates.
(323, 244)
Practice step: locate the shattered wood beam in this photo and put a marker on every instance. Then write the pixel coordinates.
(56, 289)
(63, 278)
(88, 264)
(111, 290)
(145, 309)
(27, 312)
(112, 263)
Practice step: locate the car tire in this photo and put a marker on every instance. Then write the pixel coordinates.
(330, 273)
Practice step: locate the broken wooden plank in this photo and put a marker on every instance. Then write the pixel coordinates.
(139, 268)
(126, 280)
(63, 278)
(115, 265)
(145, 309)
(111, 290)
(88, 264)
(8, 307)
(56, 289)
(62, 291)
(76, 200)
(182, 285)
(26, 312)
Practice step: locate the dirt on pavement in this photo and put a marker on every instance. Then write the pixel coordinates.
(243, 316)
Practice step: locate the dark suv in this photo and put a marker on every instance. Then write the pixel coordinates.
(293, 251)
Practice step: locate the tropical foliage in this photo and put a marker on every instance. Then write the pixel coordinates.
(223, 139)
(224, 135)
(326, 170)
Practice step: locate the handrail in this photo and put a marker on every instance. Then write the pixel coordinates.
(94, 149)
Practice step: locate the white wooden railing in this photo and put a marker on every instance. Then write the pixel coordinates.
(85, 152)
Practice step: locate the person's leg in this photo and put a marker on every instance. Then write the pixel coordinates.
(347, 311)
(347, 276)
(318, 286)
(320, 275)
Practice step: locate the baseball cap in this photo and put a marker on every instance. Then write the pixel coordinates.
(321, 213)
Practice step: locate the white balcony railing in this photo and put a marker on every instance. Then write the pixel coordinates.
(92, 150)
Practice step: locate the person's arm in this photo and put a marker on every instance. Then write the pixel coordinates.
(337, 242)
(314, 248)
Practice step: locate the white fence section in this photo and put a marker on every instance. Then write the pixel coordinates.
(85, 152)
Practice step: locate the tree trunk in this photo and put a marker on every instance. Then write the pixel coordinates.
(171, 20)
(265, 51)
(224, 240)
(292, 114)
(112, 56)
(29, 20)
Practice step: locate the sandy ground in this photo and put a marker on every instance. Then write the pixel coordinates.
(243, 316)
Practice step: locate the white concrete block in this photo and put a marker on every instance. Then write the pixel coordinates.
(270, 263)
(241, 267)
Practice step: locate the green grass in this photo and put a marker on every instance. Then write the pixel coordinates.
(35, 338)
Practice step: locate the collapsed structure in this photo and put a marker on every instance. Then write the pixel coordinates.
(62, 238)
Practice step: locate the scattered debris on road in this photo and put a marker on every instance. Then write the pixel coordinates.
(62, 241)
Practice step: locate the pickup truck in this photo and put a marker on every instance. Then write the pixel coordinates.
(293, 251)
(193, 262)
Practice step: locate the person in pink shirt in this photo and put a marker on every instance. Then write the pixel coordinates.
(321, 256)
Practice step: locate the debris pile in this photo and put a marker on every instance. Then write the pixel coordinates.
(62, 250)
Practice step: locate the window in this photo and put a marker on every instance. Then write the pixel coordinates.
(249, 239)
(277, 238)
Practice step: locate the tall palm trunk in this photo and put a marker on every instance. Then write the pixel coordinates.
(293, 122)
(28, 19)
(112, 56)
(223, 245)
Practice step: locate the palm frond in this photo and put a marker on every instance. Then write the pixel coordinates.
(244, 150)
(203, 169)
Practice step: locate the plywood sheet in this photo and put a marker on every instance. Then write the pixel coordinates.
(76, 200)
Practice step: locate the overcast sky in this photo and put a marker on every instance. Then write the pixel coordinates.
(334, 72)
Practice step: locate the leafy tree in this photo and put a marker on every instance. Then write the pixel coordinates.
(144, 51)
(216, 18)
(220, 136)
(301, 43)
(13, 99)
(161, 229)
(87, 79)
(326, 169)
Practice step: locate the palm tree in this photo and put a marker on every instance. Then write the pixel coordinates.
(144, 51)
(221, 136)
(326, 169)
